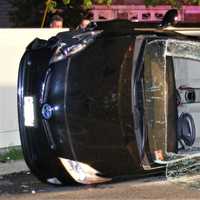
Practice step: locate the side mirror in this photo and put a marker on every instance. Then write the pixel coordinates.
(170, 18)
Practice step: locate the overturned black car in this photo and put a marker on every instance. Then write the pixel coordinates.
(118, 99)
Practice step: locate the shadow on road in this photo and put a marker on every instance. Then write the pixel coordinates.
(25, 182)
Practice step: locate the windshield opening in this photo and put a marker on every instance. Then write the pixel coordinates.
(172, 98)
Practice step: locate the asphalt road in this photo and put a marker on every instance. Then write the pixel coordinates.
(25, 186)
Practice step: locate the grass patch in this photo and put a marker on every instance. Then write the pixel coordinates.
(13, 153)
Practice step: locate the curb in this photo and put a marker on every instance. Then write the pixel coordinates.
(13, 167)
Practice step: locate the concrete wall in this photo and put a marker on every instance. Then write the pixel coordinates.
(12, 46)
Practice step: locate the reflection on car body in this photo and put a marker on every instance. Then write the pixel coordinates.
(120, 99)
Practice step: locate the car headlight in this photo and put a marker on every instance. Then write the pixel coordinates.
(82, 173)
(83, 40)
